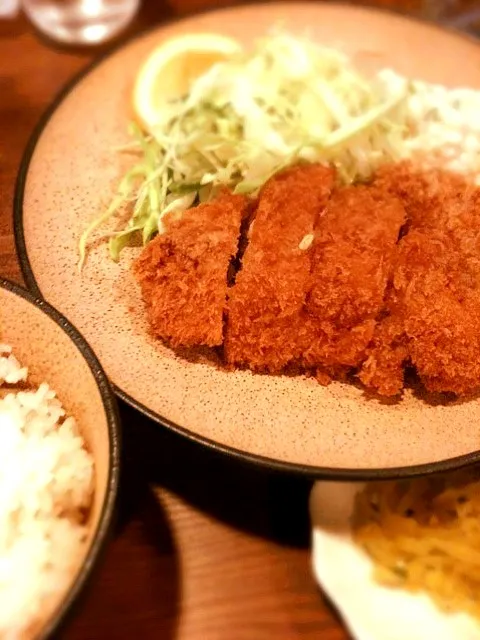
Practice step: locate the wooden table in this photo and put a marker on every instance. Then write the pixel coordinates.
(205, 547)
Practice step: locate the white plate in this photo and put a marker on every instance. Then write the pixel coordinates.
(344, 572)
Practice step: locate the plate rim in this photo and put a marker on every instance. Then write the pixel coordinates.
(101, 535)
(271, 464)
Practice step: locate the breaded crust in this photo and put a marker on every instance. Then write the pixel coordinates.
(355, 243)
(433, 307)
(183, 272)
(265, 304)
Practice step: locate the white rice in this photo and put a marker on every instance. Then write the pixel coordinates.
(448, 126)
(444, 125)
(46, 488)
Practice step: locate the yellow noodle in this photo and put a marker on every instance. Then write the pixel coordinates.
(424, 535)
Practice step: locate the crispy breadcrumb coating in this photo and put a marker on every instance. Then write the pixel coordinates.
(183, 272)
(351, 263)
(433, 307)
(265, 304)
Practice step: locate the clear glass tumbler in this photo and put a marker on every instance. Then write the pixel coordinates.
(80, 22)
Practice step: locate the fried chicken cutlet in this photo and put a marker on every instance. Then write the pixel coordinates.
(265, 304)
(182, 273)
(355, 241)
(433, 306)
(324, 281)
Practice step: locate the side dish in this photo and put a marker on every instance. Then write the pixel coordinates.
(46, 491)
(424, 536)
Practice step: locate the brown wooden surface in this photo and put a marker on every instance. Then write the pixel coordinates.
(205, 547)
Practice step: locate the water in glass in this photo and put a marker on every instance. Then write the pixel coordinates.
(80, 21)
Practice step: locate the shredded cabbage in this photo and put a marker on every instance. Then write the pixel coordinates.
(246, 118)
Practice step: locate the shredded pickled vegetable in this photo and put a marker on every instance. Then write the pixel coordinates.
(288, 100)
(424, 536)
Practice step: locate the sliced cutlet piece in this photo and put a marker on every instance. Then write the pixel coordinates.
(437, 282)
(355, 242)
(182, 273)
(422, 194)
(433, 318)
(265, 304)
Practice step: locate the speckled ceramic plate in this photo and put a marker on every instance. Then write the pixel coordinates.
(54, 352)
(68, 174)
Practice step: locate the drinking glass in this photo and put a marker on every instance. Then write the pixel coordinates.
(81, 22)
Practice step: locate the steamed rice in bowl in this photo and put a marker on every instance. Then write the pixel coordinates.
(46, 493)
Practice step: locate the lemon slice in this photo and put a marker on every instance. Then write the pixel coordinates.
(170, 69)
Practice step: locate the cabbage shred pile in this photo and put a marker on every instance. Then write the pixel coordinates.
(246, 118)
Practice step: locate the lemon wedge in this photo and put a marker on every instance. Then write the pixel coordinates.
(170, 69)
